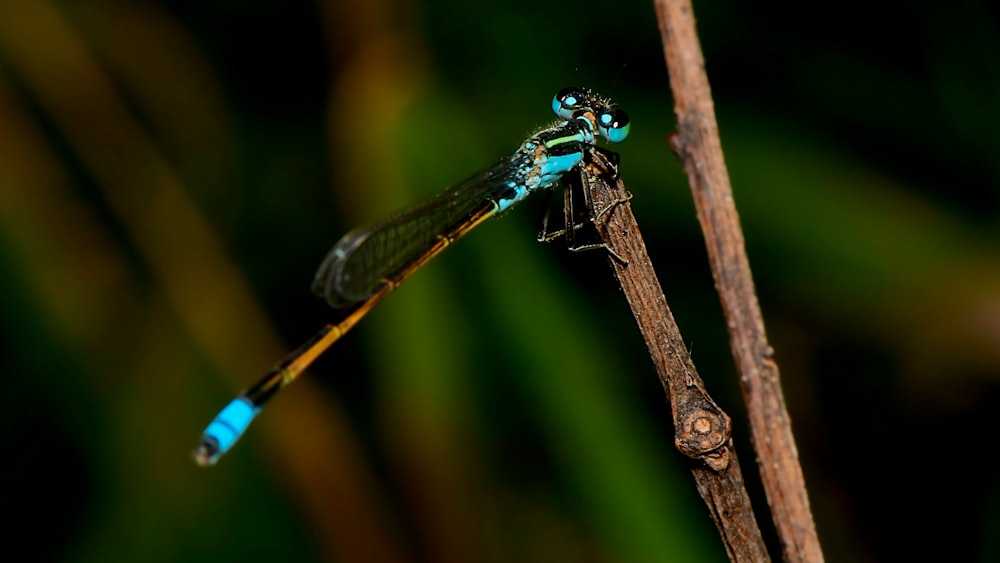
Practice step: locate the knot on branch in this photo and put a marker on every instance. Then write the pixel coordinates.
(702, 432)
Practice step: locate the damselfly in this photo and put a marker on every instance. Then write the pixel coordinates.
(368, 263)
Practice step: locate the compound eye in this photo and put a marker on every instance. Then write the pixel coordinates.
(568, 101)
(614, 125)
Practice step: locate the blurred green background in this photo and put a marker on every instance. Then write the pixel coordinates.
(171, 174)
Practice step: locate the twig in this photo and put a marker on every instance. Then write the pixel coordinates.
(698, 146)
(701, 428)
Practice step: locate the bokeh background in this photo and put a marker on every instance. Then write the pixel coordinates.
(172, 172)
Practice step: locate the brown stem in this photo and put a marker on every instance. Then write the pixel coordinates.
(698, 146)
(701, 428)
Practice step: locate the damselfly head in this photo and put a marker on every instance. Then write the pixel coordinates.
(612, 123)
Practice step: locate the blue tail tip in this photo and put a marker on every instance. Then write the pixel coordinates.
(224, 431)
(207, 452)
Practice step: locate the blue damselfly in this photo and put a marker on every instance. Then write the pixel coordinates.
(368, 263)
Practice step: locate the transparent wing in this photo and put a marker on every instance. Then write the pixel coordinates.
(364, 257)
